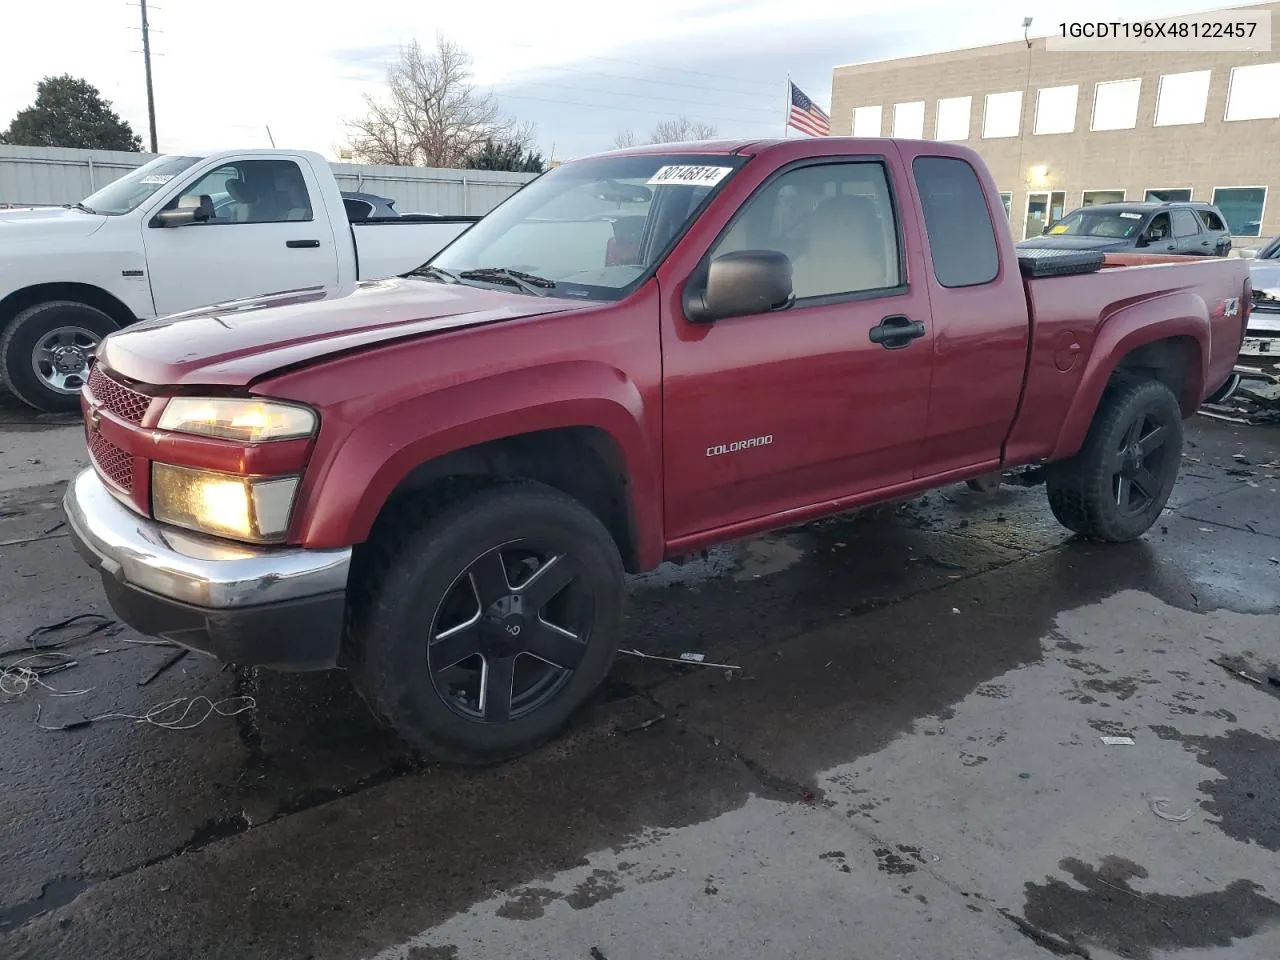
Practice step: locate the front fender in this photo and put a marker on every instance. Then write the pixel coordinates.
(361, 463)
(1181, 316)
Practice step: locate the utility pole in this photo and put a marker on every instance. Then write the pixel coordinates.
(146, 59)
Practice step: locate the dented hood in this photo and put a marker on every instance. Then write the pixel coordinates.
(234, 344)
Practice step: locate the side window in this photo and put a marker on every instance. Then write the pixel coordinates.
(1212, 221)
(1184, 224)
(254, 191)
(1159, 227)
(836, 223)
(962, 238)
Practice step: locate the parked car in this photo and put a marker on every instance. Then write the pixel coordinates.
(1191, 228)
(437, 481)
(144, 246)
(1258, 368)
(368, 206)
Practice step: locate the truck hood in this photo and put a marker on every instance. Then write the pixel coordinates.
(236, 343)
(46, 223)
(1072, 243)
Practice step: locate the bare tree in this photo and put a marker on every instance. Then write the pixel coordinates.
(625, 138)
(431, 114)
(668, 131)
(680, 129)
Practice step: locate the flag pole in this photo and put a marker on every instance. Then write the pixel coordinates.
(786, 119)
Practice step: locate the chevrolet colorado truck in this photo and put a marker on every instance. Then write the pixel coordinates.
(437, 481)
(182, 232)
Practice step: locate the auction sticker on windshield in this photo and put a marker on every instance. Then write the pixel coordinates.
(696, 175)
(1131, 216)
(157, 178)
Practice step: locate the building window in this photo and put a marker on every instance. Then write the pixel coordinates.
(867, 121)
(1056, 109)
(962, 241)
(908, 120)
(1168, 195)
(1007, 200)
(1003, 115)
(1043, 210)
(1182, 98)
(1091, 197)
(1242, 206)
(953, 118)
(1254, 92)
(1115, 105)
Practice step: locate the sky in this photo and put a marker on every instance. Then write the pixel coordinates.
(580, 70)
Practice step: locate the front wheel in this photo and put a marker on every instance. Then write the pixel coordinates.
(45, 353)
(476, 635)
(1115, 488)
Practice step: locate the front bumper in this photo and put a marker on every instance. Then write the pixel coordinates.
(279, 607)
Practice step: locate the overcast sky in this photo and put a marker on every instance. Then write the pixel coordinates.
(581, 70)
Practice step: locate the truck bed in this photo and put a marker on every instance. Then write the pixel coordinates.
(1070, 313)
(390, 246)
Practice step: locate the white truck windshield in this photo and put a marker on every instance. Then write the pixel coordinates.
(126, 194)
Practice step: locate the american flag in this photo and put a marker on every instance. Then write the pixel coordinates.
(806, 116)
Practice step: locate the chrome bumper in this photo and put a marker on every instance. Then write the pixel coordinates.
(189, 568)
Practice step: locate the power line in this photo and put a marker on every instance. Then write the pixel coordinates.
(663, 69)
(648, 96)
(610, 106)
(631, 78)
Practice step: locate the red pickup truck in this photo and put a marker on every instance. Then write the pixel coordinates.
(437, 481)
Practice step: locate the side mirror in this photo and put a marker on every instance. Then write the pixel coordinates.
(739, 284)
(189, 209)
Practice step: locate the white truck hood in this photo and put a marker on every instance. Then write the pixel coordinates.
(47, 223)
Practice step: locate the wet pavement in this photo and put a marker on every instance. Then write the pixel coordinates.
(909, 762)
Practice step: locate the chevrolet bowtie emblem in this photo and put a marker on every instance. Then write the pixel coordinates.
(95, 418)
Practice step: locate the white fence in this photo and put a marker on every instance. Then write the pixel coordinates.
(55, 175)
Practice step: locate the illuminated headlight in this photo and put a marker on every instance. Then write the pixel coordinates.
(248, 419)
(222, 504)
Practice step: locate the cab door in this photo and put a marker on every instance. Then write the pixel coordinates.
(780, 410)
(273, 236)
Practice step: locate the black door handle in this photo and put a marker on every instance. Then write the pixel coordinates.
(1205, 243)
(896, 332)
(296, 244)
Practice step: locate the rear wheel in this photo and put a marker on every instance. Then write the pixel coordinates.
(1115, 488)
(477, 634)
(46, 349)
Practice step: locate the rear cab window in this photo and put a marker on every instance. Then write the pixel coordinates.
(1212, 221)
(962, 238)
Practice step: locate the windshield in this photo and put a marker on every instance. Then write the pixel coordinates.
(1271, 251)
(592, 228)
(1118, 224)
(127, 193)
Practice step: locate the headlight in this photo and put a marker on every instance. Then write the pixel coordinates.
(230, 418)
(222, 504)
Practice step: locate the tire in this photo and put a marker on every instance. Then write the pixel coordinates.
(76, 328)
(1085, 490)
(417, 582)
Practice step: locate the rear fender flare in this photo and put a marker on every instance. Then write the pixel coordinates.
(1182, 316)
(363, 467)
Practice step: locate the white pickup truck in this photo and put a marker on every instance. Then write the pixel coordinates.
(178, 233)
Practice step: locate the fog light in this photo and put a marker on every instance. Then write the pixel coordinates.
(222, 504)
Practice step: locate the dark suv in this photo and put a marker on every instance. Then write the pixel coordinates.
(1188, 228)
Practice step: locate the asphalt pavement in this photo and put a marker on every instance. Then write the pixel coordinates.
(909, 761)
